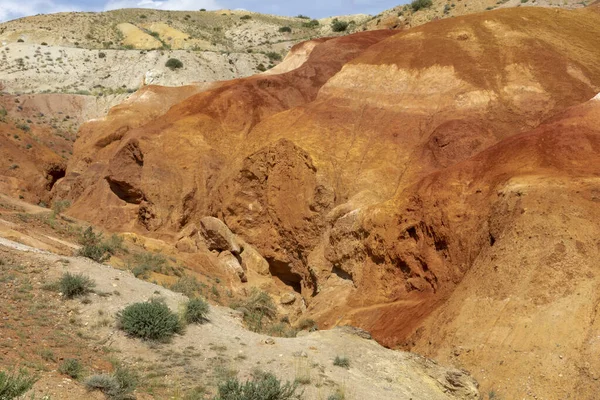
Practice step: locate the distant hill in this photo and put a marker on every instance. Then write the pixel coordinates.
(419, 12)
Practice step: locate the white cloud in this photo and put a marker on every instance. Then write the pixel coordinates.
(187, 5)
(11, 9)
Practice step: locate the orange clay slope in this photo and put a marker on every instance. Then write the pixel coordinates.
(280, 165)
(404, 108)
(185, 148)
(515, 228)
(376, 177)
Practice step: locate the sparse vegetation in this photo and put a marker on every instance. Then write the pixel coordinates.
(173, 64)
(14, 385)
(71, 367)
(117, 386)
(75, 285)
(285, 29)
(152, 320)
(196, 311)
(417, 5)
(23, 127)
(264, 387)
(60, 205)
(188, 285)
(146, 263)
(342, 361)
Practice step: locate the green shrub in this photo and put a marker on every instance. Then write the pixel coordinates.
(274, 56)
(187, 285)
(196, 311)
(74, 285)
(60, 205)
(417, 5)
(311, 24)
(339, 26)
(152, 320)
(20, 41)
(302, 16)
(266, 387)
(13, 385)
(120, 385)
(246, 17)
(173, 64)
(343, 362)
(101, 55)
(145, 263)
(338, 395)
(94, 247)
(261, 67)
(285, 29)
(154, 34)
(257, 308)
(71, 367)
(105, 383)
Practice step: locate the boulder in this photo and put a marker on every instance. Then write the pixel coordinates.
(252, 260)
(218, 236)
(230, 262)
(288, 298)
(186, 245)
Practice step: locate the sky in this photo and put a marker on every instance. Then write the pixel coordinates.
(11, 9)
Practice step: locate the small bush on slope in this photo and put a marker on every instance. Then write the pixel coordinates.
(265, 387)
(73, 285)
(152, 320)
(196, 311)
(173, 64)
(120, 385)
(417, 5)
(343, 362)
(71, 367)
(94, 247)
(14, 385)
(339, 26)
(258, 309)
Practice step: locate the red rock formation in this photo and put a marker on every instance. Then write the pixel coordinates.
(376, 177)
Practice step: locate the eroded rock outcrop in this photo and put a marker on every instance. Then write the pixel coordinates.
(373, 179)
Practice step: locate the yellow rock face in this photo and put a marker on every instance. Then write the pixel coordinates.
(134, 36)
(173, 37)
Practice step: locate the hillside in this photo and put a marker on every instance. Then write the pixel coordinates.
(391, 179)
(423, 11)
(193, 363)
